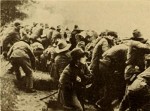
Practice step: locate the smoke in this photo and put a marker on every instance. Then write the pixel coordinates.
(119, 16)
(51, 12)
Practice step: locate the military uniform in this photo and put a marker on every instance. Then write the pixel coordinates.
(21, 55)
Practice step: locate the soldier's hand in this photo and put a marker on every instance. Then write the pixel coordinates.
(78, 79)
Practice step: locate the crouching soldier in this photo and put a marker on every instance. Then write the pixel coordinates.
(21, 55)
(72, 80)
(111, 71)
(135, 65)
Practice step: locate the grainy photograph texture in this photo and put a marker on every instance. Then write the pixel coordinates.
(75, 55)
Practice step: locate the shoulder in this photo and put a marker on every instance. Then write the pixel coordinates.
(103, 41)
(136, 44)
(19, 43)
(10, 33)
(67, 69)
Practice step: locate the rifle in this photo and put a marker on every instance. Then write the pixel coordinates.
(49, 95)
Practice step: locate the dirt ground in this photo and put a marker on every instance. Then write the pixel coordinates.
(14, 99)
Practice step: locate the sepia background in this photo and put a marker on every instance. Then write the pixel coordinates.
(122, 16)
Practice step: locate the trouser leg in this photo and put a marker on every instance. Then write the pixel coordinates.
(124, 103)
(29, 81)
(76, 103)
(106, 101)
(120, 85)
(108, 97)
(70, 100)
(97, 86)
(26, 66)
(15, 67)
(133, 106)
(18, 73)
(11, 70)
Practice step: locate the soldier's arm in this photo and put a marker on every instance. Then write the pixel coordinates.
(31, 55)
(10, 52)
(105, 45)
(140, 45)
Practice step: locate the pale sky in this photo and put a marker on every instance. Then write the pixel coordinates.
(122, 16)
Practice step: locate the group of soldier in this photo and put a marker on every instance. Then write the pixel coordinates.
(84, 65)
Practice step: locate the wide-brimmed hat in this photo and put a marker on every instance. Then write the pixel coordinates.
(62, 46)
(77, 53)
(136, 33)
(112, 33)
(52, 28)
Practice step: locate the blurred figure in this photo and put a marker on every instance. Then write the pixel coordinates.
(47, 59)
(44, 36)
(57, 35)
(91, 40)
(80, 37)
(75, 31)
(12, 37)
(37, 31)
(62, 59)
(67, 35)
(50, 34)
(38, 49)
(33, 28)
(111, 38)
(25, 32)
(81, 45)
